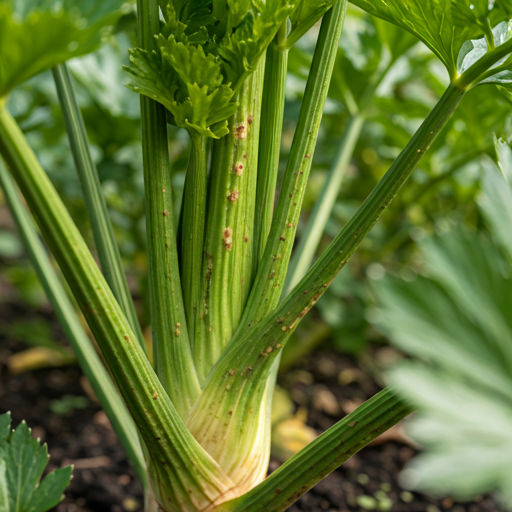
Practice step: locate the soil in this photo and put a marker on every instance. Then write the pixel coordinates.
(327, 384)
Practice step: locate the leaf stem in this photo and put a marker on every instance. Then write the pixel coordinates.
(89, 361)
(172, 352)
(474, 74)
(271, 274)
(326, 453)
(319, 217)
(193, 221)
(272, 112)
(106, 245)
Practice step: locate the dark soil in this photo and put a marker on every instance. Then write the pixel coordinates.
(329, 385)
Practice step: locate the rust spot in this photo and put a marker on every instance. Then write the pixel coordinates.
(278, 491)
(127, 338)
(278, 345)
(239, 169)
(158, 438)
(307, 155)
(233, 197)
(240, 132)
(208, 256)
(247, 370)
(269, 349)
(250, 119)
(155, 395)
(246, 239)
(230, 413)
(245, 156)
(227, 238)
(280, 320)
(232, 373)
(177, 332)
(163, 190)
(283, 328)
(303, 313)
(178, 325)
(166, 213)
(352, 424)
(282, 238)
(289, 225)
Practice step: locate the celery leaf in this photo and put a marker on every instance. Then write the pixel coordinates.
(22, 462)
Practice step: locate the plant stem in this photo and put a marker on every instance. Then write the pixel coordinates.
(229, 247)
(108, 251)
(193, 229)
(477, 71)
(176, 462)
(271, 274)
(272, 113)
(319, 217)
(256, 348)
(171, 347)
(89, 361)
(335, 446)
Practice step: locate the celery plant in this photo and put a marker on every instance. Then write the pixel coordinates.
(217, 68)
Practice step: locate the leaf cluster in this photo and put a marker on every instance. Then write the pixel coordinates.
(206, 50)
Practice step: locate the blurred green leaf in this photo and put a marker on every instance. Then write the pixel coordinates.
(36, 35)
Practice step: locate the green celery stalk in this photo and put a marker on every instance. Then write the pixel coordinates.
(329, 451)
(89, 361)
(193, 220)
(270, 278)
(272, 112)
(172, 352)
(106, 245)
(228, 263)
(319, 217)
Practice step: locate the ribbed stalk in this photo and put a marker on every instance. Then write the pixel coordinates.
(229, 247)
(335, 446)
(171, 347)
(178, 467)
(106, 245)
(272, 115)
(89, 362)
(193, 228)
(321, 213)
(274, 263)
(236, 380)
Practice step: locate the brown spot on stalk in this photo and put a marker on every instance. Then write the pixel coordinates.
(163, 190)
(352, 424)
(307, 155)
(166, 213)
(280, 320)
(247, 370)
(246, 239)
(289, 225)
(227, 238)
(245, 155)
(230, 413)
(232, 373)
(303, 313)
(155, 395)
(278, 491)
(282, 238)
(208, 256)
(240, 132)
(250, 119)
(127, 338)
(233, 197)
(239, 169)
(158, 438)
